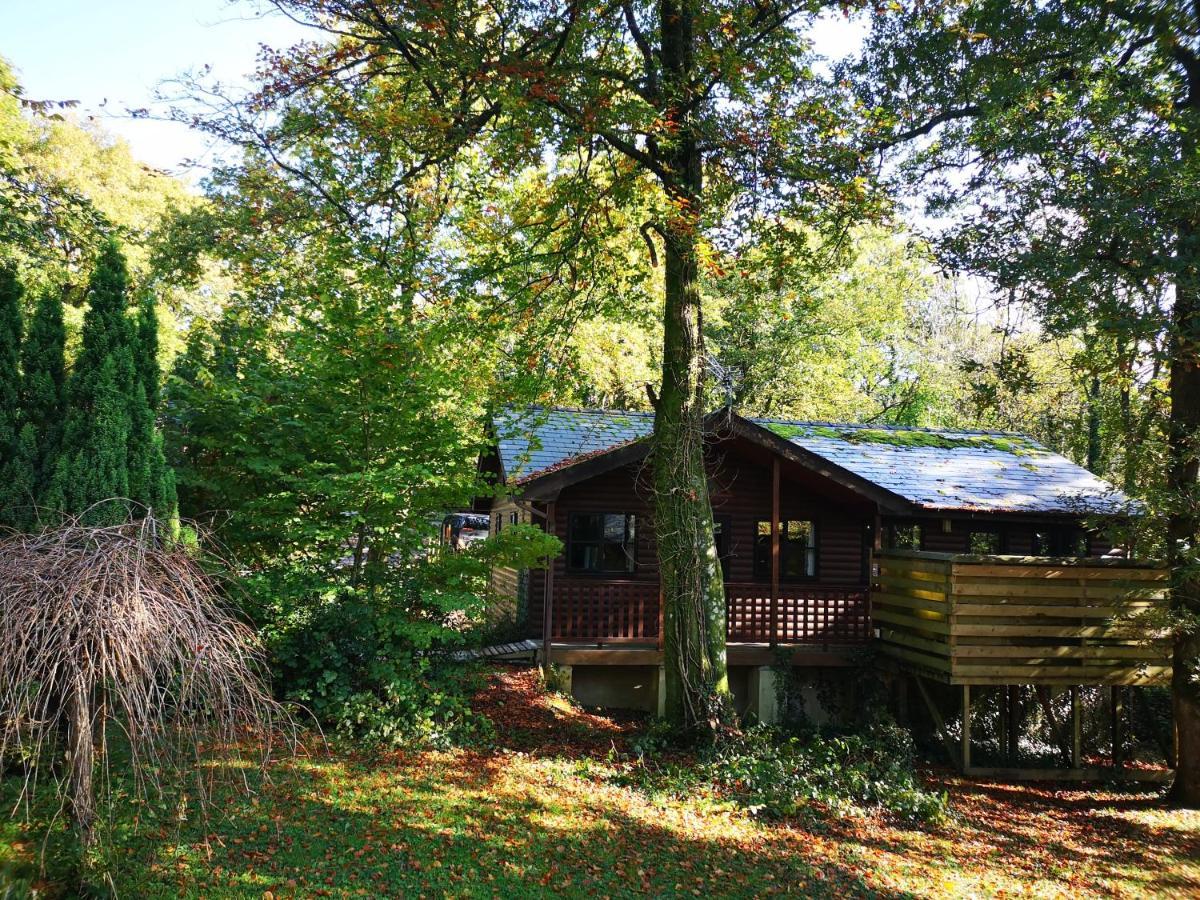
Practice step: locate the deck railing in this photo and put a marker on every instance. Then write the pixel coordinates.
(628, 611)
(1021, 620)
(610, 611)
(803, 615)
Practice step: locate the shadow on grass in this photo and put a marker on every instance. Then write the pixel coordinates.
(1038, 833)
(467, 824)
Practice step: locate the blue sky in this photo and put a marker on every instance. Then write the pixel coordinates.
(110, 55)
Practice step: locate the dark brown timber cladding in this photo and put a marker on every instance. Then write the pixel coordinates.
(829, 607)
(741, 490)
(1016, 533)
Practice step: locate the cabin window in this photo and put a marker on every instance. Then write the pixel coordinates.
(499, 522)
(797, 550)
(723, 537)
(1061, 542)
(903, 537)
(602, 542)
(985, 542)
(513, 518)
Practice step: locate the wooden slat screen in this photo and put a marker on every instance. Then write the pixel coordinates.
(1021, 620)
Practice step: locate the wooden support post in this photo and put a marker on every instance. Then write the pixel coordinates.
(966, 727)
(936, 716)
(774, 606)
(548, 596)
(1076, 730)
(659, 643)
(1116, 708)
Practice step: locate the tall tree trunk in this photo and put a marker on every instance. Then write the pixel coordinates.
(1184, 521)
(693, 593)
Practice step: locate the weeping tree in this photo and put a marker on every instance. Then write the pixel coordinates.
(707, 114)
(116, 635)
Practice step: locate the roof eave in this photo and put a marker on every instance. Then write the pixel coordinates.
(547, 484)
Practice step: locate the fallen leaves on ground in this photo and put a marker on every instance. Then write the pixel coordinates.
(538, 815)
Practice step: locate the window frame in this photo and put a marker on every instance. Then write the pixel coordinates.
(889, 533)
(763, 571)
(1063, 534)
(1000, 532)
(725, 523)
(630, 541)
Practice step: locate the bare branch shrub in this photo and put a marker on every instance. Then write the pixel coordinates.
(120, 637)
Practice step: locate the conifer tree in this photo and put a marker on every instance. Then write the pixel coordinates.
(150, 479)
(11, 490)
(146, 353)
(43, 381)
(94, 462)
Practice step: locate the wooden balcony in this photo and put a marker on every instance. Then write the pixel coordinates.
(1005, 620)
(615, 612)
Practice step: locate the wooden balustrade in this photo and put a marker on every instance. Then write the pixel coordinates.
(605, 611)
(628, 611)
(803, 615)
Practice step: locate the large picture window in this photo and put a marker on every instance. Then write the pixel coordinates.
(797, 550)
(602, 542)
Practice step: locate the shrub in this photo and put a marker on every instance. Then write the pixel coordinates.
(776, 775)
(781, 775)
(372, 660)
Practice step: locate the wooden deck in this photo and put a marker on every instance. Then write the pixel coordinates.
(1004, 620)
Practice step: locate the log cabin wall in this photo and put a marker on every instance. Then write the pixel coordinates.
(1016, 534)
(741, 497)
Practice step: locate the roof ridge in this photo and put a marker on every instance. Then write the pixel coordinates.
(811, 423)
(931, 429)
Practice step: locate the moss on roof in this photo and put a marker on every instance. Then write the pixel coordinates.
(897, 437)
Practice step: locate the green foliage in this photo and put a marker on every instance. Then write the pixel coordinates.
(43, 382)
(351, 660)
(109, 448)
(776, 775)
(371, 661)
(93, 467)
(780, 776)
(11, 493)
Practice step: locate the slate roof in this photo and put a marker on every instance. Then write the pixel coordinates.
(984, 471)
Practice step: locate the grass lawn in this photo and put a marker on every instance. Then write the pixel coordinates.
(540, 815)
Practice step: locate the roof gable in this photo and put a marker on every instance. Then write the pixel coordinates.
(931, 469)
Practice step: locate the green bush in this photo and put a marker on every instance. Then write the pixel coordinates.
(371, 660)
(776, 775)
(780, 775)
(354, 663)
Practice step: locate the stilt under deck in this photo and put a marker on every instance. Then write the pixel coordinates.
(1007, 622)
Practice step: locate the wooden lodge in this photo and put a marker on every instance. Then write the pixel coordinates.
(962, 557)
